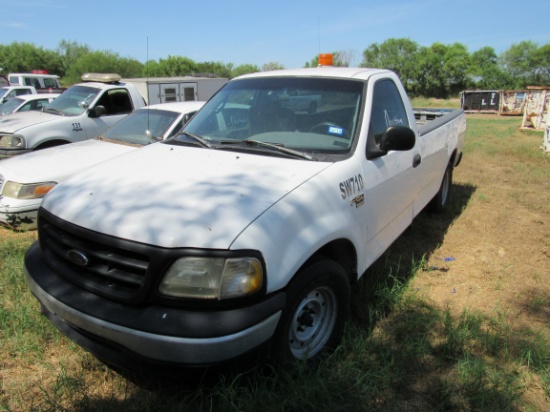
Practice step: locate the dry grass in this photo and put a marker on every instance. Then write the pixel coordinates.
(466, 339)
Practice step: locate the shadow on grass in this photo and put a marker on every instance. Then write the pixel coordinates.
(399, 353)
(405, 257)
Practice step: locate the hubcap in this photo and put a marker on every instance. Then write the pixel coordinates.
(313, 323)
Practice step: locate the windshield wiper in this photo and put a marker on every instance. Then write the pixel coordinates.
(197, 138)
(277, 147)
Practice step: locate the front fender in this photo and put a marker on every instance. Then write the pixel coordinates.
(62, 130)
(297, 226)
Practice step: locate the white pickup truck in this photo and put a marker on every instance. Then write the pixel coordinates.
(247, 230)
(9, 92)
(82, 112)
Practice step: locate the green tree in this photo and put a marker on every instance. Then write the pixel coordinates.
(272, 66)
(520, 62)
(217, 69)
(431, 80)
(398, 55)
(177, 66)
(103, 62)
(244, 69)
(69, 52)
(541, 59)
(25, 57)
(456, 65)
(485, 71)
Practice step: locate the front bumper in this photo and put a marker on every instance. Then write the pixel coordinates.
(124, 334)
(20, 217)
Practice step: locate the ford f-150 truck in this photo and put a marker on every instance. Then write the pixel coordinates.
(82, 112)
(246, 231)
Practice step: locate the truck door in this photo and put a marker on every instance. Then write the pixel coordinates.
(389, 179)
(117, 104)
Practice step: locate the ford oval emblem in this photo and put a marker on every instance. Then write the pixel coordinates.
(78, 258)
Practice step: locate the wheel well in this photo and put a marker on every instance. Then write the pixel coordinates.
(51, 143)
(342, 252)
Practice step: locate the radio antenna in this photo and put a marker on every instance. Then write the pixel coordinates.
(319, 36)
(147, 85)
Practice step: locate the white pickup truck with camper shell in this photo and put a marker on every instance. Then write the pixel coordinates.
(246, 231)
(82, 112)
(25, 179)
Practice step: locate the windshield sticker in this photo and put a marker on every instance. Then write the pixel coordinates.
(338, 131)
(351, 188)
(392, 122)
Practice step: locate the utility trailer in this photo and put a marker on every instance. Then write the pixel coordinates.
(158, 90)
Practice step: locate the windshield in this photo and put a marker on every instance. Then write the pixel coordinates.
(10, 106)
(133, 128)
(315, 115)
(74, 101)
(3, 92)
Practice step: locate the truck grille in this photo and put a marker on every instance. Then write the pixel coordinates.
(104, 265)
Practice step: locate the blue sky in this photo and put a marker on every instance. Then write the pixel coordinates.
(257, 32)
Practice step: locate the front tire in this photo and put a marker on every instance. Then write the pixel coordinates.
(318, 305)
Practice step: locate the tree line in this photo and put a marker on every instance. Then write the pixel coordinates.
(439, 70)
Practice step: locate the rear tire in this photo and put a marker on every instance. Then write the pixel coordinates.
(440, 201)
(318, 305)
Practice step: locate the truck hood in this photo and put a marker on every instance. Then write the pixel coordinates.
(173, 196)
(17, 121)
(58, 163)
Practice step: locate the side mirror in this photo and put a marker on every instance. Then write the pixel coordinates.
(97, 111)
(397, 138)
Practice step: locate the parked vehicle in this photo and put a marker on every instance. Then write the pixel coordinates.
(27, 102)
(248, 229)
(157, 90)
(9, 92)
(25, 179)
(82, 112)
(299, 100)
(42, 82)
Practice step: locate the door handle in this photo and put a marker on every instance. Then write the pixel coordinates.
(417, 159)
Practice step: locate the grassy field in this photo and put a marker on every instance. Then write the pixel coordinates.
(454, 317)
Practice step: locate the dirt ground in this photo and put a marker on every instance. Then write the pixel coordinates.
(495, 255)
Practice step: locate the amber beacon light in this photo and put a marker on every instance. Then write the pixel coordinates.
(325, 59)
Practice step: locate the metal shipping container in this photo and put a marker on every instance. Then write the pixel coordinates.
(480, 101)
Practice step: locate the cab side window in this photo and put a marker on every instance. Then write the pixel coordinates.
(387, 110)
(116, 101)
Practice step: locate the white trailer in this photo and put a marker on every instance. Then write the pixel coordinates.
(158, 90)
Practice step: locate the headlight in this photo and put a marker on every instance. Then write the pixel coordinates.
(27, 191)
(10, 140)
(213, 278)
